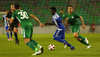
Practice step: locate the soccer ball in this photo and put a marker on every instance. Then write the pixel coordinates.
(51, 47)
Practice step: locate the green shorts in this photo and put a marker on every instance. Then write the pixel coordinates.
(75, 28)
(27, 31)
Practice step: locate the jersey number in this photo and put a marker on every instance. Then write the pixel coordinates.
(24, 15)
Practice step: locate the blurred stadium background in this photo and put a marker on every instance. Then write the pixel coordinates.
(88, 9)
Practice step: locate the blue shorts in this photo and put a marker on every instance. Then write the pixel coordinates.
(6, 27)
(59, 33)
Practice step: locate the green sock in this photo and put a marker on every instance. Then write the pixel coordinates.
(81, 37)
(35, 43)
(32, 46)
(82, 41)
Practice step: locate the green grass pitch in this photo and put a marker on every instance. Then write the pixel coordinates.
(9, 49)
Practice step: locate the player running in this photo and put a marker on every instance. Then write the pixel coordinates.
(59, 34)
(24, 18)
(72, 20)
(6, 26)
(14, 25)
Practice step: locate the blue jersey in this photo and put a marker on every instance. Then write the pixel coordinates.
(6, 21)
(57, 21)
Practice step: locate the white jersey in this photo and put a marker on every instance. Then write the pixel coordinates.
(6, 21)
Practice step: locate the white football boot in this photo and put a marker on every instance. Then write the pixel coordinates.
(37, 53)
(41, 48)
(8, 39)
(88, 46)
(11, 38)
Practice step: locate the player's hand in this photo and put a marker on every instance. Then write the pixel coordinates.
(41, 25)
(46, 24)
(0, 24)
(6, 18)
(65, 26)
(83, 26)
(8, 28)
(66, 19)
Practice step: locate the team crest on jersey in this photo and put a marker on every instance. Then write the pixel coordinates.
(72, 17)
(63, 15)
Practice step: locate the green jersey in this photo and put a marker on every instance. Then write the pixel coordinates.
(62, 16)
(72, 19)
(23, 17)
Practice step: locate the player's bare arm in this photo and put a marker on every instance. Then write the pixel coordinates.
(36, 20)
(7, 18)
(67, 21)
(82, 22)
(49, 23)
(1, 22)
(11, 21)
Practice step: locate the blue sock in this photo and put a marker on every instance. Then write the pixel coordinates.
(8, 35)
(62, 40)
(68, 44)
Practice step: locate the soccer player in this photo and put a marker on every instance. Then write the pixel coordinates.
(14, 25)
(6, 26)
(59, 34)
(72, 20)
(61, 14)
(24, 18)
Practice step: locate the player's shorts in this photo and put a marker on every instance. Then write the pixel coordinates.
(27, 31)
(6, 27)
(14, 25)
(75, 28)
(59, 33)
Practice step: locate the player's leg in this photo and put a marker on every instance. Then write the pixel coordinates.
(66, 42)
(63, 36)
(27, 42)
(11, 30)
(16, 37)
(37, 45)
(76, 34)
(11, 35)
(75, 31)
(79, 39)
(58, 37)
(34, 42)
(7, 32)
(26, 36)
